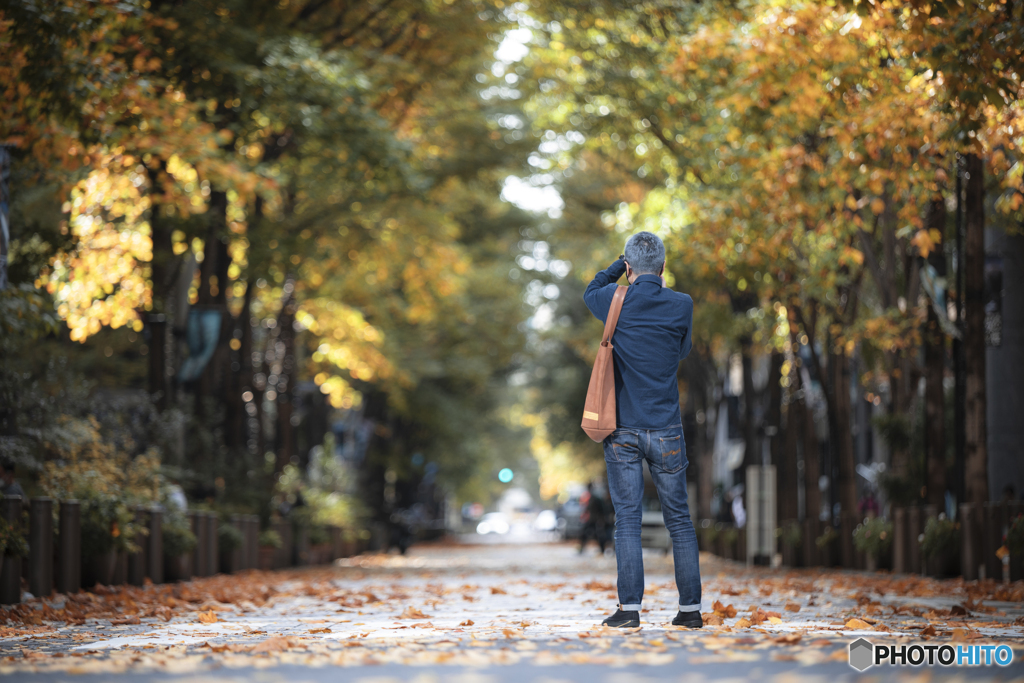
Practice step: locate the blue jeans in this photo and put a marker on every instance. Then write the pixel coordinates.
(665, 451)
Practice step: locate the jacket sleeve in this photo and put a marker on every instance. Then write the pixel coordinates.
(598, 296)
(687, 343)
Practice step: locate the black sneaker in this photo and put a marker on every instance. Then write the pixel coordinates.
(622, 619)
(688, 619)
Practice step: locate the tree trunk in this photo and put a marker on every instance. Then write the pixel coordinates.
(839, 423)
(283, 370)
(811, 453)
(212, 295)
(975, 433)
(784, 459)
(934, 343)
(805, 409)
(959, 414)
(791, 432)
(163, 267)
(752, 452)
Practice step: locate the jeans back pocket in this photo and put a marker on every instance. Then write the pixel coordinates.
(622, 446)
(672, 457)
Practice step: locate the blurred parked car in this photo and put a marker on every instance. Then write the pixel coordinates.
(546, 520)
(653, 533)
(493, 523)
(569, 523)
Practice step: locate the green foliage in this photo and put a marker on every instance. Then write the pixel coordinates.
(324, 493)
(873, 535)
(709, 533)
(790, 533)
(25, 314)
(177, 536)
(12, 542)
(107, 481)
(319, 534)
(941, 537)
(827, 537)
(270, 538)
(229, 537)
(1014, 540)
(895, 430)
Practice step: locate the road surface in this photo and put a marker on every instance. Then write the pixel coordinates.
(492, 613)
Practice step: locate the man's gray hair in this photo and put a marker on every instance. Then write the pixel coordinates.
(645, 253)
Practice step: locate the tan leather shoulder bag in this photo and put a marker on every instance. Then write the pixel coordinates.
(599, 410)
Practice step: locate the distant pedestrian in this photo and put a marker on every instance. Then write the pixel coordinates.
(593, 517)
(654, 333)
(739, 512)
(868, 506)
(9, 486)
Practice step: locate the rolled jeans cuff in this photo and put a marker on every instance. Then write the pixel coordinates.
(629, 608)
(689, 608)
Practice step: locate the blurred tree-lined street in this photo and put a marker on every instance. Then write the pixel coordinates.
(244, 234)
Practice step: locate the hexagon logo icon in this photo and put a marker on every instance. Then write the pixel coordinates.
(861, 654)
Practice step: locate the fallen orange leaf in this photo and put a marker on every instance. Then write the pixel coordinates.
(209, 617)
(792, 607)
(727, 611)
(467, 622)
(413, 613)
(276, 644)
(857, 624)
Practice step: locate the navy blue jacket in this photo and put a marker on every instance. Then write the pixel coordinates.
(653, 334)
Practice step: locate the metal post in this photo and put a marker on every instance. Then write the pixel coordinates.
(69, 577)
(10, 576)
(40, 547)
(155, 543)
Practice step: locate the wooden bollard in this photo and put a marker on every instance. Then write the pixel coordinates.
(971, 541)
(335, 543)
(847, 551)
(301, 551)
(10, 575)
(69, 573)
(808, 532)
(283, 555)
(915, 527)
(212, 543)
(198, 520)
(40, 547)
(137, 561)
(155, 545)
(254, 542)
(900, 540)
(235, 562)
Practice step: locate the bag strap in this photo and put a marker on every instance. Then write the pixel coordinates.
(613, 313)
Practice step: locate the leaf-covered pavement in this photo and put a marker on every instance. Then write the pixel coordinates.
(456, 612)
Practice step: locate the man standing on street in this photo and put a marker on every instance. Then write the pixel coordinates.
(653, 334)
